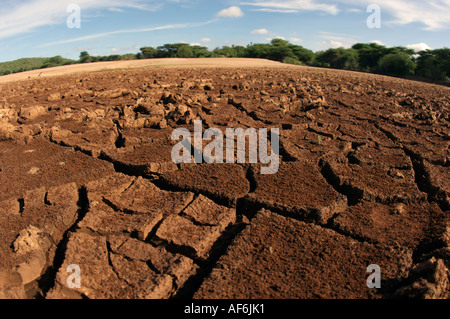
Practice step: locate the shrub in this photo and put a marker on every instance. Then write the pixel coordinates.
(396, 64)
(291, 60)
(338, 58)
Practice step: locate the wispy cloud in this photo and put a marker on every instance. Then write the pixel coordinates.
(335, 36)
(115, 9)
(290, 6)
(336, 40)
(276, 10)
(105, 34)
(433, 15)
(27, 16)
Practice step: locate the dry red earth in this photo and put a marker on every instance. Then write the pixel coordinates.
(87, 179)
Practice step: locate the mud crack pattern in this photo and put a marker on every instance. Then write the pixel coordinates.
(86, 178)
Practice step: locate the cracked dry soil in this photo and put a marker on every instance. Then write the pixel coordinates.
(86, 178)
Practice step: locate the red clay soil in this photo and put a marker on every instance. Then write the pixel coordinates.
(87, 179)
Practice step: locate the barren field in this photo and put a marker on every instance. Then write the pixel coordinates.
(87, 182)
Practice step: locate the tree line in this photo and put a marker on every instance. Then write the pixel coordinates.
(433, 65)
(397, 61)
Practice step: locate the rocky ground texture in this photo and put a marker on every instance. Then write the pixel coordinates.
(87, 179)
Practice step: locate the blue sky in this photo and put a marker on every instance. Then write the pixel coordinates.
(38, 28)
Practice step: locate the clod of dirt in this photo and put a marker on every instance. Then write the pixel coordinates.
(430, 281)
(315, 200)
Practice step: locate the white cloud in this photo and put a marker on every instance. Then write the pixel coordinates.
(419, 47)
(260, 31)
(105, 34)
(276, 10)
(20, 17)
(434, 15)
(336, 40)
(277, 37)
(295, 40)
(378, 42)
(231, 12)
(354, 10)
(122, 50)
(333, 44)
(115, 9)
(290, 6)
(205, 40)
(336, 36)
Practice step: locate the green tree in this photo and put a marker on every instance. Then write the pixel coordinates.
(235, 51)
(169, 50)
(303, 55)
(54, 61)
(85, 57)
(113, 57)
(396, 49)
(128, 56)
(225, 52)
(148, 53)
(185, 51)
(396, 64)
(280, 50)
(200, 51)
(239, 51)
(277, 42)
(434, 64)
(292, 60)
(369, 55)
(339, 58)
(259, 51)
